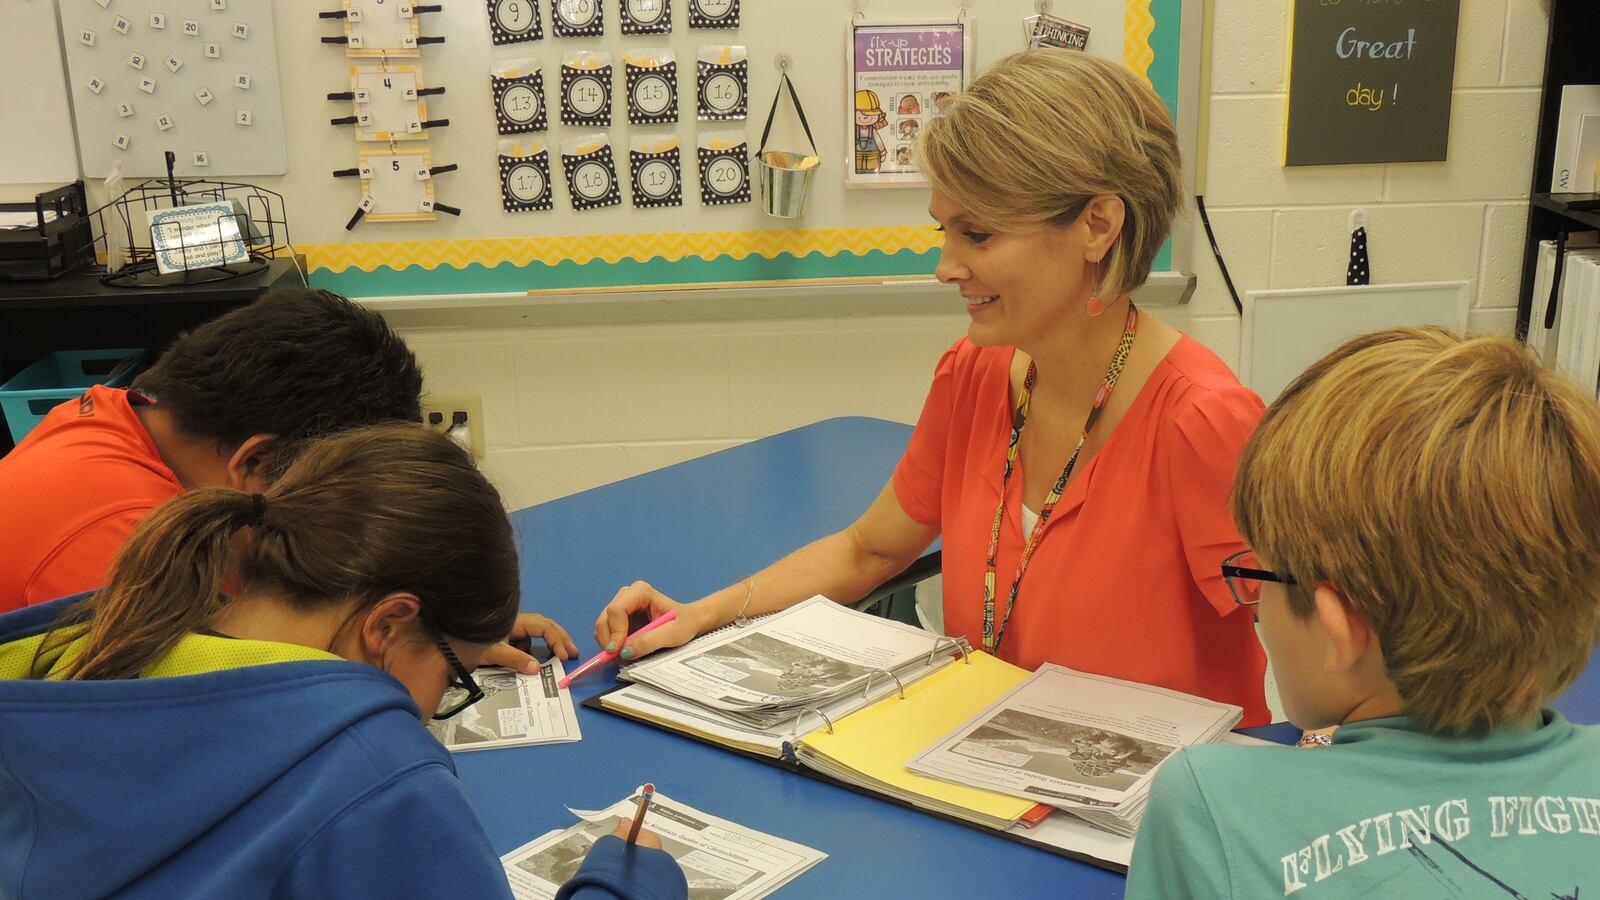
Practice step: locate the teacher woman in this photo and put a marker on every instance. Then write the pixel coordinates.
(1074, 453)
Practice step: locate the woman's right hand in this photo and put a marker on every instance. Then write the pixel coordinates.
(642, 600)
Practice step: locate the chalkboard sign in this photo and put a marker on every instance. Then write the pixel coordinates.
(1369, 81)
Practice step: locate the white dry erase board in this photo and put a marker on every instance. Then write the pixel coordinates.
(1286, 331)
(197, 77)
(33, 97)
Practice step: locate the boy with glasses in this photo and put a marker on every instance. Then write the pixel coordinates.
(1425, 517)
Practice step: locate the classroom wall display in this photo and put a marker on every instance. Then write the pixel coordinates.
(517, 87)
(713, 13)
(385, 28)
(656, 167)
(204, 84)
(577, 18)
(525, 176)
(591, 171)
(586, 89)
(1370, 82)
(900, 77)
(397, 186)
(645, 16)
(724, 168)
(515, 21)
(844, 233)
(389, 104)
(652, 86)
(722, 83)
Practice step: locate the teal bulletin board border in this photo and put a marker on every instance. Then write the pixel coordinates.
(536, 276)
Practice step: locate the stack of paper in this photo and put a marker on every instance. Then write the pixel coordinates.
(1086, 744)
(1578, 336)
(787, 667)
(719, 858)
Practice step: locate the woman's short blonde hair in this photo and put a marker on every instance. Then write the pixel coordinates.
(1449, 488)
(1035, 137)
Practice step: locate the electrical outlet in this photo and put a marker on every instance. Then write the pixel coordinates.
(443, 411)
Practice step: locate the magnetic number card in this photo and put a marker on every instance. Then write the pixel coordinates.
(591, 172)
(652, 84)
(577, 18)
(518, 88)
(657, 169)
(723, 83)
(724, 169)
(586, 89)
(525, 177)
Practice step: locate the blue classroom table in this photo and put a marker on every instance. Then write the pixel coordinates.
(690, 529)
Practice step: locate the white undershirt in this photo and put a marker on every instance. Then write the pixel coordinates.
(1029, 519)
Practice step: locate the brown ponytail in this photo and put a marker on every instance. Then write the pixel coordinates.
(359, 515)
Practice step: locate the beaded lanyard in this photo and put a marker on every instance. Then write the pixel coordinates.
(991, 640)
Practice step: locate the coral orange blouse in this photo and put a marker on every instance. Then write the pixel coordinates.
(1126, 581)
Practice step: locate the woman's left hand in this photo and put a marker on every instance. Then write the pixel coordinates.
(513, 653)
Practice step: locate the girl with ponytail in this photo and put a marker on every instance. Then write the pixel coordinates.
(163, 739)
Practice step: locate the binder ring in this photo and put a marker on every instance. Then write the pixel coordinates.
(875, 673)
(960, 648)
(795, 730)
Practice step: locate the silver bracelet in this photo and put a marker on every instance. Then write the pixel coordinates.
(1314, 740)
(740, 619)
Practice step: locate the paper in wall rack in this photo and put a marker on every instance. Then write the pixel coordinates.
(183, 231)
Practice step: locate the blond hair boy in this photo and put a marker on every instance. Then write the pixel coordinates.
(1426, 514)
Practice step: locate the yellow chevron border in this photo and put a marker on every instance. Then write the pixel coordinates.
(611, 248)
(1138, 25)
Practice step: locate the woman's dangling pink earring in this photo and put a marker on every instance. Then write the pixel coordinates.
(1096, 307)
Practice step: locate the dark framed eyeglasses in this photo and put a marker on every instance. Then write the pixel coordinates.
(1244, 572)
(463, 690)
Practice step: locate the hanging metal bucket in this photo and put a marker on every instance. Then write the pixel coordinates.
(786, 180)
(786, 177)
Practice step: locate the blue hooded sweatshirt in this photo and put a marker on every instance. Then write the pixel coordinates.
(311, 778)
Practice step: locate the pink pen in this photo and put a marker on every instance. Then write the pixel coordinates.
(605, 656)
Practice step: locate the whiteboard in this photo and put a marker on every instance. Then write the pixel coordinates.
(30, 54)
(220, 100)
(1286, 331)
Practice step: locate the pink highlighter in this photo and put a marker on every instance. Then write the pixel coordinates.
(605, 656)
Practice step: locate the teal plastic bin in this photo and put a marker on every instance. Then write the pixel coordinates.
(59, 377)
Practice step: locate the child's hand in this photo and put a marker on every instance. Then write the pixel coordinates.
(528, 626)
(647, 838)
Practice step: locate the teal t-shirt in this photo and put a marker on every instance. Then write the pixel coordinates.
(1387, 811)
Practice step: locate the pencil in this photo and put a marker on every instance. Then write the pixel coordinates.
(638, 814)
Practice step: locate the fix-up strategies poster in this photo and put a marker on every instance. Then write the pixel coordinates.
(1369, 82)
(900, 77)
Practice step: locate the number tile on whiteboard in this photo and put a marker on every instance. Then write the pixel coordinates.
(95, 85)
(103, 3)
(173, 63)
(213, 50)
(158, 21)
(243, 117)
(191, 28)
(164, 122)
(136, 61)
(219, 4)
(124, 109)
(202, 158)
(86, 37)
(121, 141)
(122, 25)
(242, 81)
(241, 31)
(147, 84)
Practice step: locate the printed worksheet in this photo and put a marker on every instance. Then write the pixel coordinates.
(517, 710)
(721, 860)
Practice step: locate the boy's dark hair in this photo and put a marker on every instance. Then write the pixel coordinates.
(297, 363)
